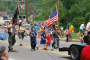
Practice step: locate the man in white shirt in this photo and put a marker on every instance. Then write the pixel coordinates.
(88, 27)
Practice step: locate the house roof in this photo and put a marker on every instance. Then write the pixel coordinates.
(3, 13)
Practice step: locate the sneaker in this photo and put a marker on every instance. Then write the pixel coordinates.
(44, 48)
(51, 49)
(34, 49)
(20, 44)
(12, 50)
(31, 49)
(37, 48)
(55, 48)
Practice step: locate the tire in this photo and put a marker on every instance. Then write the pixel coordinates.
(74, 53)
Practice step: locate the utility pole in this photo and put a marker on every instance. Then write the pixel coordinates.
(30, 8)
(58, 12)
(27, 10)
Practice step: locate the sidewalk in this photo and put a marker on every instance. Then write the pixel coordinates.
(73, 40)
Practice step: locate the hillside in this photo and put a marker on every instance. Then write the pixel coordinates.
(76, 11)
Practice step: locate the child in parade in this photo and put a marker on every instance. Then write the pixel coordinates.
(56, 37)
(33, 35)
(43, 39)
(48, 41)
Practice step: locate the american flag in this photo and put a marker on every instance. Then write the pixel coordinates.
(52, 18)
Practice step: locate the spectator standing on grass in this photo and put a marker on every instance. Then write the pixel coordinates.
(68, 24)
(4, 55)
(71, 31)
(67, 33)
(88, 27)
(81, 29)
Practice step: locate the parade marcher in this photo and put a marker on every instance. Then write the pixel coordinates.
(81, 29)
(33, 35)
(11, 38)
(48, 41)
(42, 27)
(21, 31)
(56, 38)
(49, 30)
(59, 35)
(71, 31)
(4, 55)
(43, 39)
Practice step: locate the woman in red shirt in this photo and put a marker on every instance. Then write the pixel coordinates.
(48, 40)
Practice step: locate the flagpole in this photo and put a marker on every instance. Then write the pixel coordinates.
(58, 12)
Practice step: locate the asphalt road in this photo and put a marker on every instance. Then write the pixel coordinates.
(24, 52)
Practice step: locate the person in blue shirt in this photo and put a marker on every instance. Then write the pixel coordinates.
(49, 30)
(43, 39)
(33, 35)
(56, 37)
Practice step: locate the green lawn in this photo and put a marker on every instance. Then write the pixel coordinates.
(74, 36)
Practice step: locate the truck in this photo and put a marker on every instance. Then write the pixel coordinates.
(75, 50)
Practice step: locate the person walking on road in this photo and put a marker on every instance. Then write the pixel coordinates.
(33, 35)
(56, 38)
(81, 29)
(48, 40)
(11, 38)
(43, 39)
(21, 31)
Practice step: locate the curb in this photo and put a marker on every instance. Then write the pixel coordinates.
(72, 40)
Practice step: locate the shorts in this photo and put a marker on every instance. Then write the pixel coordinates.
(48, 44)
(80, 30)
(55, 40)
(21, 35)
(70, 35)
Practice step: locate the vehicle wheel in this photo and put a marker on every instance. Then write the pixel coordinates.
(74, 53)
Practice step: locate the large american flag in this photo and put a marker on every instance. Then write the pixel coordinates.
(52, 18)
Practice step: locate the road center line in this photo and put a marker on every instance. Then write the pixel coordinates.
(40, 49)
